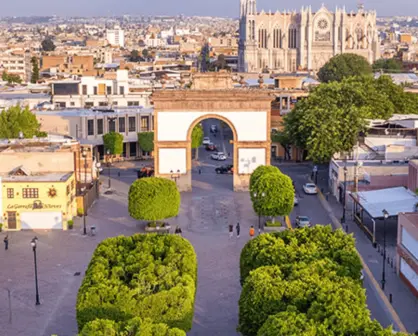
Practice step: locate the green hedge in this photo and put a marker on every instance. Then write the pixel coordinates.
(307, 244)
(133, 327)
(147, 276)
(153, 198)
(113, 142)
(146, 141)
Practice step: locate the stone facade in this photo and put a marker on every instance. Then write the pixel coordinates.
(290, 41)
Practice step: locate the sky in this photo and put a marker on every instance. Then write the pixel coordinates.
(225, 8)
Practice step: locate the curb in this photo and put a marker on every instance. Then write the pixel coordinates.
(337, 225)
(288, 223)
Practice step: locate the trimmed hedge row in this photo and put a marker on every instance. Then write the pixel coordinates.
(147, 276)
(304, 282)
(133, 327)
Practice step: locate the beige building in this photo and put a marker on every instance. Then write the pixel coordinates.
(17, 64)
(288, 41)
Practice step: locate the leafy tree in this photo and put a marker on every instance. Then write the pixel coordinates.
(197, 138)
(219, 64)
(343, 66)
(273, 195)
(146, 141)
(15, 120)
(4, 76)
(387, 65)
(35, 70)
(333, 115)
(153, 198)
(134, 57)
(11, 78)
(135, 326)
(48, 44)
(142, 276)
(260, 171)
(113, 142)
(145, 53)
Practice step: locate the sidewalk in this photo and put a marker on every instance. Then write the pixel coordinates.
(404, 303)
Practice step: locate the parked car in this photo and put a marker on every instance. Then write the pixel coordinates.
(226, 169)
(145, 172)
(310, 189)
(211, 147)
(220, 156)
(206, 141)
(302, 221)
(214, 128)
(296, 201)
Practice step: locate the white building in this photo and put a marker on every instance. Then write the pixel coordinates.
(116, 37)
(289, 41)
(17, 64)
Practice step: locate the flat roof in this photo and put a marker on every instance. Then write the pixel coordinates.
(372, 163)
(393, 200)
(93, 113)
(47, 177)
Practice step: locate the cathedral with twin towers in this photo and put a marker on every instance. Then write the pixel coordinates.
(291, 41)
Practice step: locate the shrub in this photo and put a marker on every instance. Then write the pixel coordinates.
(155, 224)
(308, 244)
(274, 224)
(70, 224)
(146, 276)
(113, 142)
(153, 198)
(146, 141)
(135, 326)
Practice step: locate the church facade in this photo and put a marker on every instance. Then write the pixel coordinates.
(291, 41)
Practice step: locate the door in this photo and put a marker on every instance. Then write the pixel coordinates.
(11, 220)
(40, 220)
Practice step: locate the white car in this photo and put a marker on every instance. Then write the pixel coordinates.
(310, 189)
(206, 141)
(302, 221)
(296, 201)
(220, 156)
(214, 128)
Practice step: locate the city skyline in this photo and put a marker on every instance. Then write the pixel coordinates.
(229, 8)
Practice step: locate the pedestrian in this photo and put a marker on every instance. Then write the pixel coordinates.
(231, 231)
(238, 228)
(252, 232)
(6, 242)
(178, 231)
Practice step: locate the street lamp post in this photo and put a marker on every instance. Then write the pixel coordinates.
(108, 166)
(259, 216)
(33, 244)
(385, 217)
(344, 196)
(84, 153)
(175, 176)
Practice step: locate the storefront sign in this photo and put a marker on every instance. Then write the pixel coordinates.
(34, 206)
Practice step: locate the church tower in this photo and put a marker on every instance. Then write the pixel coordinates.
(247, 42)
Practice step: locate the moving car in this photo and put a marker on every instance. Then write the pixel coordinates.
(296, 201)
(206, 141)
(302, 221)
(145, 172)
(214, 128)
(211, 147)
(226, 169)
(220, 156)
(310, 189)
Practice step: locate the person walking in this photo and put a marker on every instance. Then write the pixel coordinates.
(231, 231)
(178, 231)
(6, 242)
(252, 232)
(238, 228)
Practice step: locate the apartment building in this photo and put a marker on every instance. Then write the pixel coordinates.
(74, 65)
(17, 64)
(91, 91)
(89, 126)
(116, 37)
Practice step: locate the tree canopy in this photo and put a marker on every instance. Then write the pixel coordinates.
(11, 78)
(142, 276)
(146, 141)
(330, 119)
(48, 44)
(197, 138)
(135, 57)
(388, 65)
(153, 198)
(113, 142)
(219, 64)
(343, 66)
(35, 70)
(15, 120)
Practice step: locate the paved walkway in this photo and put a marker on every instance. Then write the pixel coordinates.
(405, 304)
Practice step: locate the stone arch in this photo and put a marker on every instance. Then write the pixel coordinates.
(212, 116)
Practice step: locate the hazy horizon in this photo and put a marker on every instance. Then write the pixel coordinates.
(223, 8)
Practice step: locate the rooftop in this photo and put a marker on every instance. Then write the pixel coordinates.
(411, 217)
(48, 177)
(95, 112)
(370, 163)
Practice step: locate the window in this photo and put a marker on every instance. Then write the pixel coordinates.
(99, 126)
(84, 88)
(121, 90)
(115, 103)
(121, 124)
(277, 38)
(102, 103)
(68, 189)
(109, 90)
(95, 90)
(112, 125)
(131, 121)
(133, 103)
(72, 104)
(292, 38)
(90, 127)
(73, 183)
(144, 124)
(10, 193)
(30, 193)
(262, 38)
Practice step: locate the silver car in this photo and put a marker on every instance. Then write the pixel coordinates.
(303, 221)
(310, 189)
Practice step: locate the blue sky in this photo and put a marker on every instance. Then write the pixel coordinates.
(187, 7)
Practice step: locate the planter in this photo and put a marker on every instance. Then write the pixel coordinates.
(158, 229)
(274, 229)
